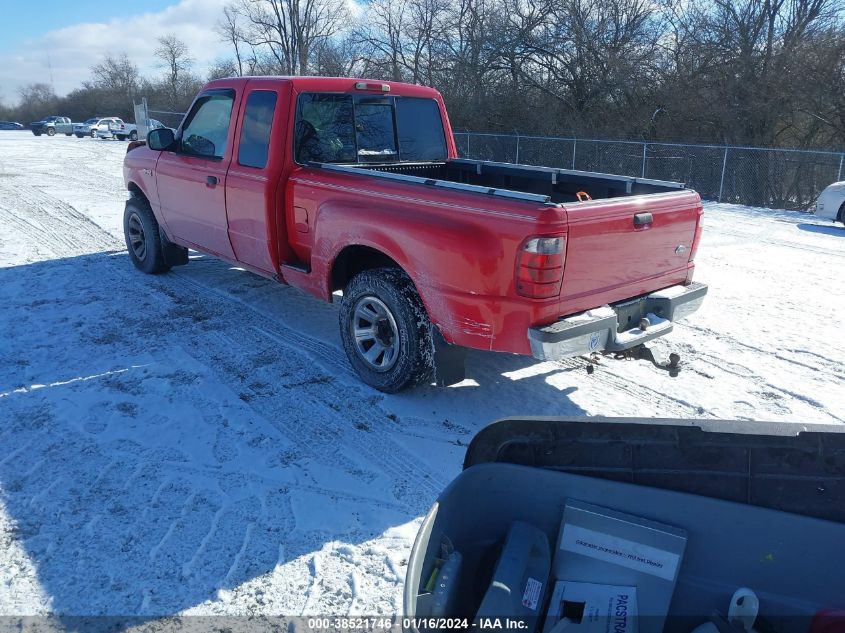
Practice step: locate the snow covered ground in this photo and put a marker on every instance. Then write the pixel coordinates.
(196, 442)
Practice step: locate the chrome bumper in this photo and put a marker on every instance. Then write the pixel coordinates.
(617, 327)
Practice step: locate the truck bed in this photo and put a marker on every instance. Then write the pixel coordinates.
(544, 185)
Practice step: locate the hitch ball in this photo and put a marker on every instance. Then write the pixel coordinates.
(644, 323)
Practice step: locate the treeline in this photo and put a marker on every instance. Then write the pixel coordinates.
(115, 84)
(755, 72)
(759, 72)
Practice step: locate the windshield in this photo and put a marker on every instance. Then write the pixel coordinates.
(341, 128)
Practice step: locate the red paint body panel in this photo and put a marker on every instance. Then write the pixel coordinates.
(460, 248)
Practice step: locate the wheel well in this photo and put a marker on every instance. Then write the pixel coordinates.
(136, 192)
(355, 259)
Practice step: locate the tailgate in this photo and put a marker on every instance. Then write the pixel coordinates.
(623, 247)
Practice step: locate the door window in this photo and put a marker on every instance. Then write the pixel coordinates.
(206, 130)
(255, 132)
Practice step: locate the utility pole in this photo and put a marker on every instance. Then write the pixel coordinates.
(50, 68)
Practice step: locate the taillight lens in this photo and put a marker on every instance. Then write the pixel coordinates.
(697, 238)
(539, 267)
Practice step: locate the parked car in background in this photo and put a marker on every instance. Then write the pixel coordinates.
(88, 128)
(10, 125)
(121, 131)
(831, 202)
(106, 128)
(52, 125)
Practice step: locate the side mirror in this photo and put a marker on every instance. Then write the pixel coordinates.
(160, 139)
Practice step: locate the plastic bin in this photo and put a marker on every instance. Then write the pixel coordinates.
(763, 506)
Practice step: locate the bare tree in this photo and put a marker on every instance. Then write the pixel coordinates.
(229, 29)
(288, 32)
(36, 101)
(117, 74)
(173, 54)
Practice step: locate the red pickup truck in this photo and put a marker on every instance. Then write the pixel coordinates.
(349, 185)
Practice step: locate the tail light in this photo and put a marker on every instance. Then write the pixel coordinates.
(697, 238)
(539, 267)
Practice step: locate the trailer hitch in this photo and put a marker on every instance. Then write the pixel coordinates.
(643, 352)
(672, 365)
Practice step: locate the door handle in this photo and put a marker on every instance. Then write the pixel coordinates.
(641, 219)
(211, 181)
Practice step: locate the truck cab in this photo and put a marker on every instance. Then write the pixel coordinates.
(335, 184)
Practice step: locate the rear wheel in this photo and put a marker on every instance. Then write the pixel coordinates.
(143, 239)
(841, 215)
(80, 136)
(385, 330)
(68, 133)
(133, 135)
(120, 137)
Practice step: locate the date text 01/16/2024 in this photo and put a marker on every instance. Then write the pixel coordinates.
(387, 624)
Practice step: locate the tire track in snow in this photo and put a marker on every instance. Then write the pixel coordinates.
(49, 222)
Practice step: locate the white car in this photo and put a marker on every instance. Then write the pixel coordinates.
(831, 202)
(103, 127)
(121, 131)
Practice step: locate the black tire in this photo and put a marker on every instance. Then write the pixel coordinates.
(68, 133)
(841, 215)
(37, 133)
(94, 133)
(404, 331)
(120, 138)
(133, 135)
(143, 239)
(51, 131)
(80, 136)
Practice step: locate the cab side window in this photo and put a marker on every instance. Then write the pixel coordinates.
(206, 130)
(256, 128)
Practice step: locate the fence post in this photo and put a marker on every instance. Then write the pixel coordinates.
(517, 148)
(722, 182)
(468, 152)
(574, 144)
(645, 145)
(841, 158)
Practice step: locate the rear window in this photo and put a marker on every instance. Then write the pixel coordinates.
(342, 128)
(420, 130)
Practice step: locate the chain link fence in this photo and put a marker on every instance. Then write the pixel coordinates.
(145, 118)
(773, 178)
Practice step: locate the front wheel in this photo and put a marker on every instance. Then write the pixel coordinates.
(68, 133)
(93, 133)
(133, 135)
(143, 239)
(80, 136)
(51, 131)
(385, 330)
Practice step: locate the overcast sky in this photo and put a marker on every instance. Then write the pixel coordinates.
(71, 37)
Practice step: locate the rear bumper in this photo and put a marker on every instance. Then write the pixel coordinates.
(599, 329)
